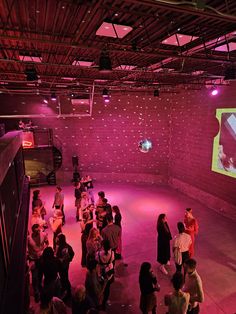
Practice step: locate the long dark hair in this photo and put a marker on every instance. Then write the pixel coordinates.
(116, 209)
(36, 194)
(160, 219)
(106, 246)
(144, 270)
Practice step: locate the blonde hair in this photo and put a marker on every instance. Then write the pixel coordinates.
(93, 233)
(80, 293)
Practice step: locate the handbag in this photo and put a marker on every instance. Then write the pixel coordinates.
(177, 256)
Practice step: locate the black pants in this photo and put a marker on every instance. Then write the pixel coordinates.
(65, 282)
(154, 310)
(195, 310)
(106, 292)
(185, 256)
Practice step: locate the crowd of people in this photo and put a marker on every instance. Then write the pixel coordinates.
(101, 243)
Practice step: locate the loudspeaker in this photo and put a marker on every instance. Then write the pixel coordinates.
(75, 161)
(2, 129)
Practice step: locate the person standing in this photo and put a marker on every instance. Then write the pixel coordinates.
(191, 227)
(117, 221)
(181, 245)
(163, 243)
(37, 242)
(59, 202)
(56, 225)
(178, 300)
(79, 188)
(106, 258)
(37, 202)
(93, 244)
(86, 226)
(148, 286)
(65, 254)
(50, 266)
(193, 285)
(111, 233)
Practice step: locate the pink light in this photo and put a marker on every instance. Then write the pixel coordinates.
(107, 100)
(214, 92)
(45, 101)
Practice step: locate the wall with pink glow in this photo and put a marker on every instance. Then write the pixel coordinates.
(193, 127)
(107, 142)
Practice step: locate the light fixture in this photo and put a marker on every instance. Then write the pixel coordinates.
(230, 74)
(214, 91)
(105, 62)
(31, 74)
(53, 96)
(156, 93)
(105, 92)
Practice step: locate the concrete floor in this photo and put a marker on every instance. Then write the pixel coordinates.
(140, 207)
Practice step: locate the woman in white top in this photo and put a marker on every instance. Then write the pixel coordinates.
(178, 300)
(181, 245)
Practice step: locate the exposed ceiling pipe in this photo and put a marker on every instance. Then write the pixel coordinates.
(188, 7)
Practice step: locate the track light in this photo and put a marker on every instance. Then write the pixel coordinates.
(230, 74)
(105, 93)
(53, 96)
(105, 62)
(156, 93)
(31, 74)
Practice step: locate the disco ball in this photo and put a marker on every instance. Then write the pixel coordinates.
(145, 146)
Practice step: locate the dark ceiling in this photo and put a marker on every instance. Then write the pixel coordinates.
(61, 32)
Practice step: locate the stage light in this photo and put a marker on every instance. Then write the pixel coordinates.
(214, 91)
(31, 74)
(53, 96)
(105, 62)
(105, 92)
(156, 93)
(230, 74)
(145, 146)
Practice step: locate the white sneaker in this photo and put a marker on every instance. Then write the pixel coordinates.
(163, 270)
(168, 263)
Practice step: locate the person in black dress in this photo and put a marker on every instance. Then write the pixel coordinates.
(163, 243)
(117, 221)
(86, 226)
(148, 285)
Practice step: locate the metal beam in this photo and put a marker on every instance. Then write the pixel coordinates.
(188, 8)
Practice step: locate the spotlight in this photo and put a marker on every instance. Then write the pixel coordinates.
(105, 92)
(230, 74)
(53, 96)
(105, 62)
(214, 91)
(31, 74)
(156, 93)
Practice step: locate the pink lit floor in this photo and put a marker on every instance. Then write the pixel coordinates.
(140, 206)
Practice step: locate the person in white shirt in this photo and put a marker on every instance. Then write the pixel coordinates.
(178, 300)
(193, 285)
(181, 245)
(56, 225)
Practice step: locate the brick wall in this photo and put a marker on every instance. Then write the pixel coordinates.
(107, 142)
(193, 127)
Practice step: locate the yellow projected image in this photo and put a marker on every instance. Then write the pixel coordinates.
(224, 148)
